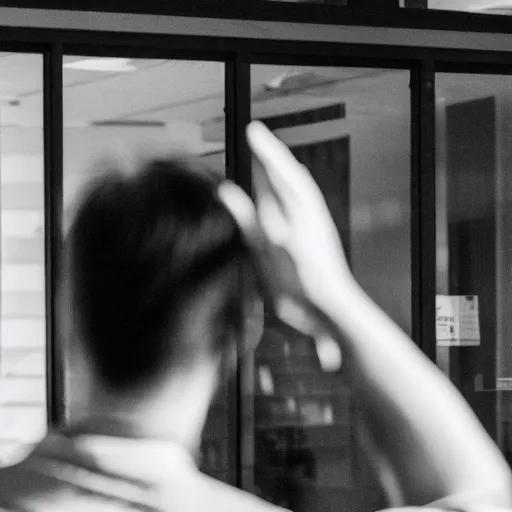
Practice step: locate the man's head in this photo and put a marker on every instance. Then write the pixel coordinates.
(154, 276)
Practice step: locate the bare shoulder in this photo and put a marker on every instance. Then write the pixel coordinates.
(205, 493)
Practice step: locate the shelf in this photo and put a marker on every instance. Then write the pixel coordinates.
(297, 425)
(339, 452)
(331, 380)
(324, 454)
(213, 471)
(336, 394)
(315, 438)
(273, 358)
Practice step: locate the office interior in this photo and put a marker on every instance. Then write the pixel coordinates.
(285, 430)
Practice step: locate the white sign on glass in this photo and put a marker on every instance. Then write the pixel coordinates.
(457, 321)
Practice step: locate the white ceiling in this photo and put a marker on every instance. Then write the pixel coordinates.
(193, 91)
(169, 91)
(184, 94)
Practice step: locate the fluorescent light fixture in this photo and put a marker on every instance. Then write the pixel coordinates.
(11, 101)
(106, 64)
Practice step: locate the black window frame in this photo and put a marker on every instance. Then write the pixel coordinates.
(375, 13)
(238, 55)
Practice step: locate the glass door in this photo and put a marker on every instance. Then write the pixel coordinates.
(351, 128)
(125, 109)
(474, 251)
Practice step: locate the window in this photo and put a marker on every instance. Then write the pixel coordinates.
(125, 109)
(473, 163)
(22, 297)
(350, 127)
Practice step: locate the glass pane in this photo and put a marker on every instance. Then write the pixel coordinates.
(478, 6)
(128, 108)
(473, 164)
(351, 128)
(22, 300)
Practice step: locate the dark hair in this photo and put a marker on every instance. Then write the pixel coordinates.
(140, 247)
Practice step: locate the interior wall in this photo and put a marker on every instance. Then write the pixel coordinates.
(379, 198)
(462, 90)
(503, 206)
(504, 218)
(380, 217)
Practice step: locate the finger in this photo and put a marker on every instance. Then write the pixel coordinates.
(284, 171)
(264, 189)
(271, 154)
(273, 221)
(243, 212)
(267, 221)
(291, 310)
(271, 211)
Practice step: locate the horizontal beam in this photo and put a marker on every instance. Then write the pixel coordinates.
(387, 15)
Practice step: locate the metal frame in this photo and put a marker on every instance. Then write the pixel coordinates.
(423, 207)
(376, 13)
(238, 55)
(238, 169)
(53, 195)
(104, 43)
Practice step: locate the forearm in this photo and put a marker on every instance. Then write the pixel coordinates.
(431, 437)
(433, 440)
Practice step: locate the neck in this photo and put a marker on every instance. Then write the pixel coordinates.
(174, 411)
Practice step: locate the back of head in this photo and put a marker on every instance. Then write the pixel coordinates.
(141, 248)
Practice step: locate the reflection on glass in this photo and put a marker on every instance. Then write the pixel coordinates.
(474, 251)
(477, 6)
(350, 127)
(127, 109)
(22, 300)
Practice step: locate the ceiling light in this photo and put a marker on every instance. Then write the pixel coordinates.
(112, 65)
(11, 101)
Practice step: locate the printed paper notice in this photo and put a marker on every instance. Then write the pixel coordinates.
(457, 321)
